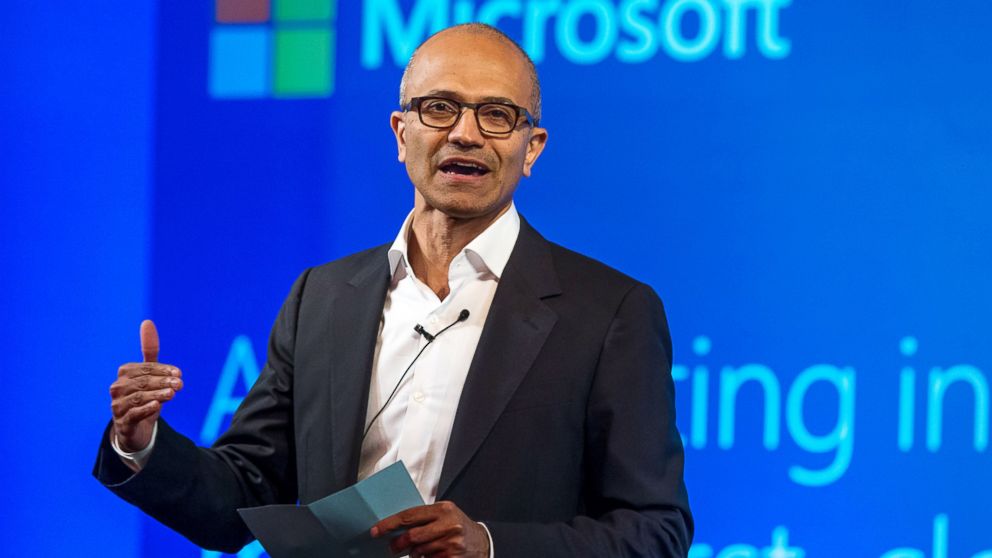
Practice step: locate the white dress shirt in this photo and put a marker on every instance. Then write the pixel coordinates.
(416, 424)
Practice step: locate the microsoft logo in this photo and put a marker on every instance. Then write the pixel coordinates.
(272, 48)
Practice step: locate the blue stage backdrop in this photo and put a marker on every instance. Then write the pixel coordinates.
(806, 184)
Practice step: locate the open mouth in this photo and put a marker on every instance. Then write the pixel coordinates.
(464, 168)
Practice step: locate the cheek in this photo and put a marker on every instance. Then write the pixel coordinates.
(418, 148)
(515, 160)
(417, 156)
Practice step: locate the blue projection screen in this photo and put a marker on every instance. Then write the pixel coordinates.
(806, 184)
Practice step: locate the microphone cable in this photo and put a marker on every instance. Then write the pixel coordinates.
(462, 316)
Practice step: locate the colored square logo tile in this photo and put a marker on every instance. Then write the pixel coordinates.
(304, 63)
(304, 10)
(239, 62)
(242, 11)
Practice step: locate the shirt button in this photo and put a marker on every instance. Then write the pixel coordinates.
(419, 397)
(433, 319)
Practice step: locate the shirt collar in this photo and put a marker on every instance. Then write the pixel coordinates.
(490, 250)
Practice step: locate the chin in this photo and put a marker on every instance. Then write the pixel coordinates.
(465, 206)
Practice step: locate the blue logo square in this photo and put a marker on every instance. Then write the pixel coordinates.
(239, 62)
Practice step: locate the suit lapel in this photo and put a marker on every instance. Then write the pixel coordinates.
(355, 315)
(517, 326)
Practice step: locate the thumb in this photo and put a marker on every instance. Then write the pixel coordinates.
(149, 341)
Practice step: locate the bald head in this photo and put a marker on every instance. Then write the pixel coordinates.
(480, 31)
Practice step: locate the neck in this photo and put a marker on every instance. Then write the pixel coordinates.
(435, 239)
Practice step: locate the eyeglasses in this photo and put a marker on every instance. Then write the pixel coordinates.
(492, 118)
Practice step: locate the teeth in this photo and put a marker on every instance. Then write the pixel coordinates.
(469, 165)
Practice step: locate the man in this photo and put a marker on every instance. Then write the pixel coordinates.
(533, 407)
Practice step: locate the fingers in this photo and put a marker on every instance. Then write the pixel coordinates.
(431, 538)
(406, 518)
(138, 385)
(453, 545)
(125, 425)
(135, 369)
(437, 529)
(122, 406)
(149, 341)
(132, 380)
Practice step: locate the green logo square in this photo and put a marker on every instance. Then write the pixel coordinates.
(304, 63)
(304, 10)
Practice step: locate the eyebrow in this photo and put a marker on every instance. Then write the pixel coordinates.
(459, 97)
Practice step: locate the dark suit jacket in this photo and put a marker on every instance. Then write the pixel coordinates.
(564, 442)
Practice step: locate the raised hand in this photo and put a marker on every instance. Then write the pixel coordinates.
(136, 397)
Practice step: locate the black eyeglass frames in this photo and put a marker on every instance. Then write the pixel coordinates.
(492, 117)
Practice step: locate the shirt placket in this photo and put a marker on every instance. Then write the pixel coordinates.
(425, 398)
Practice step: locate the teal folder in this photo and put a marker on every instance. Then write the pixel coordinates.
(337, 525)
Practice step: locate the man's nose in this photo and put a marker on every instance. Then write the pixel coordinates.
(466, 130)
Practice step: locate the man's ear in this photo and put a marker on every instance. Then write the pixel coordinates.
(535, 145)
(398, 124)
